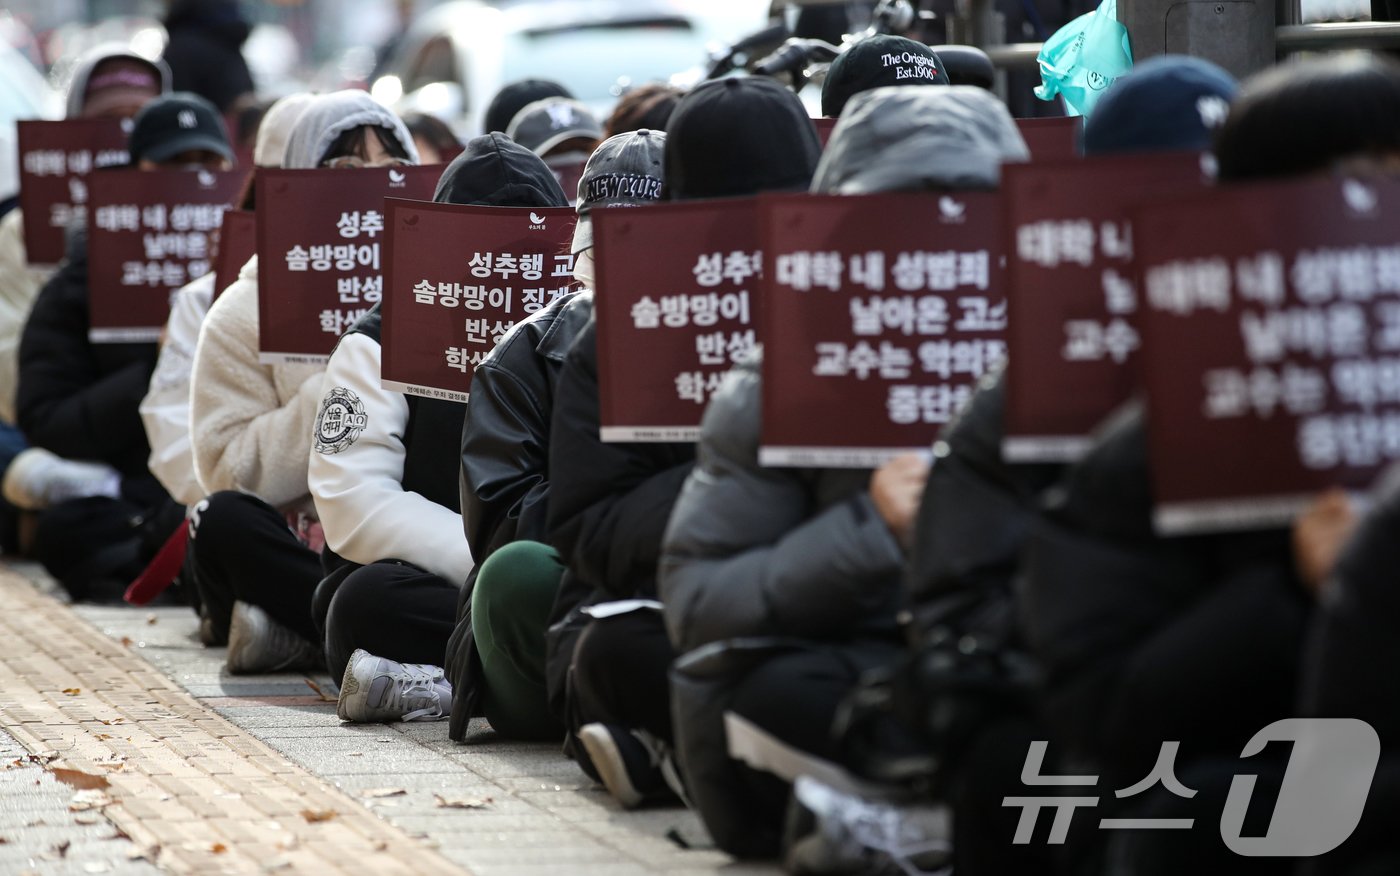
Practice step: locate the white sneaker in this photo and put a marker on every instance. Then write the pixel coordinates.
(257, 643)
(377, 689)
(37, 479)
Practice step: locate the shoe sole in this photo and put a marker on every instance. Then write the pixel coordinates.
(607, 760)
(349, 687)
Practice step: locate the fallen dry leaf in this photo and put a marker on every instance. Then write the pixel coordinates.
(151, 620)
(380, 845)
(60, 850)
(461, 802)
(314, 815)
(44, 757)
(104, 736)
(325, 697)
(218, 848)
(126, 641)
(89, 799)
(376, 793)
(111, 722)
(79, 779)
(72, 691)
(3, 841)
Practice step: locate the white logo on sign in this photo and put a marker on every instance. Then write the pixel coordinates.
(951, 210)
(396, 179)
(206, 179)
(1360, 197)
(186, 119)
(561, 115)
(1213, 109)
(536, 221)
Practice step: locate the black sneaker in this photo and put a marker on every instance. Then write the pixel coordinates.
(629, 763)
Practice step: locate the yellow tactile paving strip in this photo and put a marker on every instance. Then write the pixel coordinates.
(196, 793)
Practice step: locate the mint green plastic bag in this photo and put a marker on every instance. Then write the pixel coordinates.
(1081, 59)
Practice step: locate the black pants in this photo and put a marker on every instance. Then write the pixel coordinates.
(389, 609)
(243, 550)
(96, 546)
(620, 674)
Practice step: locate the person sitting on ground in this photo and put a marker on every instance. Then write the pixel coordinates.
(646, 107)
(435, 141)
(80, 400)
(609, 503)
(876, 62)
(109, 81)
(513, 97)
(254, 541)
(495, 659)
(388, 494)
(806, 555)
(561, 131)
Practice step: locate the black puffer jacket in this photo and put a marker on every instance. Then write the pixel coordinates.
(505, 476)
(1146, 639)
(79, 399)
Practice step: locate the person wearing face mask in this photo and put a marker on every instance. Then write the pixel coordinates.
(251, 427)
(109, 81)
(388, 495)
(496, 658)
(79, 400)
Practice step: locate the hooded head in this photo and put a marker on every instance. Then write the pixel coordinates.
(494, 171)
(220, 19)
(875, 62)
(112, 80)
(328, 116)
(1309, 115)
(276, 126)
(910, 139)
(735, 137)
(1168, 103)
(514, 97)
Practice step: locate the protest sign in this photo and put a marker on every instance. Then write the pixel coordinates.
(55, 159)
(1271, 347)
(237, 244)
(880, 313)
(1071, 293)
(568, 173)
(676, 307)
(319, 262)
(1052, 139)
(824, 128)
(149, 233)
(459, 278)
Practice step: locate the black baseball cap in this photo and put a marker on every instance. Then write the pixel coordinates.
(544, 124)
(514, 97)
(739, 136)
(175, 123)
(877, 61)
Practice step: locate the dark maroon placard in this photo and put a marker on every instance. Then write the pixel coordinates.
(320, 267)
(1071, 293)
(677, 306)
(459, 279)
(237, 243)
(824, 129)
(1052, 139)
(1271, 347)
(54, 161)
(149, 233)
(568, 174)
(880, 313)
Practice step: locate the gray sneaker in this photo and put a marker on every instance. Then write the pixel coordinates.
(257, 643)
(376, 689)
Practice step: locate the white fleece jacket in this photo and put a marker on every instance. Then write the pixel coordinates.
(250, 423)
(165, 411)
(19, 286)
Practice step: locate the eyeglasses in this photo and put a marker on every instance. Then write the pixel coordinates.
(354, 162)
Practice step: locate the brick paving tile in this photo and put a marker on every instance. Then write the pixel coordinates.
(186, 781)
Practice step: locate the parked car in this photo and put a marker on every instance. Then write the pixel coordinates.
(456, 57)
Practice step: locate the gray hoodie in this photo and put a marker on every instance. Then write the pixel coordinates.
(901, 138)
(82, 72)
(330, 115)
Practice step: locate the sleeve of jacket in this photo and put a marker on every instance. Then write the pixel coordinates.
(608, 503)
(504, 460)
(357, 480)
(744, 554)
(19, 284)
(65, 404)
(165, 411)
(245, 436)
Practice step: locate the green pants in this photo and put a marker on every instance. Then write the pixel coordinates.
(515, 590)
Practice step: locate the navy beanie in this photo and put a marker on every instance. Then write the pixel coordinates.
(1168, 103)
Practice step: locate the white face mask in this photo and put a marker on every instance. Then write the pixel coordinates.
(583, 268)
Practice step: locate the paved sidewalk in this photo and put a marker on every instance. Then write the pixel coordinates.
(215, 773)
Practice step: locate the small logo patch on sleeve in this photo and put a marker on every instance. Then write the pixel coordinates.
(340, 421)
